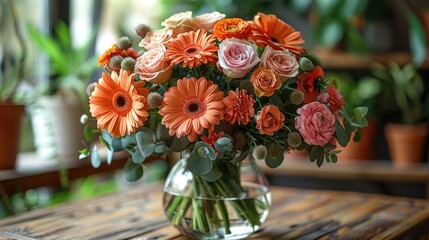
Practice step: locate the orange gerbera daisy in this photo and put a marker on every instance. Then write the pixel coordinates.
(239, 107)
(192, 106)
(104, 59)
(117, 104)
(232, 28)
(192, 48)
(270, 30)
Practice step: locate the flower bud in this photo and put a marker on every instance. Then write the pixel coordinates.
(296, 97)
(128, 64)
(294, 139)
(124, 43)
(142, 30)
(306, 64)
(84, 119)
(154, 99)
(115, 63)
(260, 152)
(89, 88)
(239, 140)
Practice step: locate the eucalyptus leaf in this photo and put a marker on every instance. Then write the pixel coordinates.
(199, 165)
(143, 138)
(274, 162)
(213, 175)
(358, 135)
(137, 157)
(104, 142)
(180, 144)
(109, 157)
(203, 149)
(224, 144)
(342, 136)
(95, 157)
(159, 148)
(276, 101)
(240, 157)
(132, 171)
(147, 150)
(316, 153)
(162, 132)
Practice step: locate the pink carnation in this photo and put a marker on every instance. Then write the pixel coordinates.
(315, 123)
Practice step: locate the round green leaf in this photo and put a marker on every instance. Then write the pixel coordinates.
(199, 165)
(95, 157)
(274, 162)
(180, 144)
(132, 172)
(213, 175)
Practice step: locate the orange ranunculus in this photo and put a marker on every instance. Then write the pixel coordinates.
(265, 81)
(269, 120)
(232, 28)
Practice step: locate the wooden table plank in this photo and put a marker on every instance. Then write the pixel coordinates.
(296, 214)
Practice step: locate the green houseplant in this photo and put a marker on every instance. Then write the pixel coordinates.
(60, 101)
(403, 106)
(365, 91)
(12, 70)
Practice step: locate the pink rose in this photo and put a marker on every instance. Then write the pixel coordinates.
(315, 123)
(265, 81)
(153, 39)
(207, 20)
(152, 66)
(237, 57)
(269, 120)
(281, 61)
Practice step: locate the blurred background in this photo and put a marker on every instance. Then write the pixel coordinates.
(376, 51)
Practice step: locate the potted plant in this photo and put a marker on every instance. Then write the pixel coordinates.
(12, 70)
(403, 106)
(360, 92)
(61, 100)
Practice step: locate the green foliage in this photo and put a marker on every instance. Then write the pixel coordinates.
(71, 66)
(403, 92)
(274, 162)
(132, 171)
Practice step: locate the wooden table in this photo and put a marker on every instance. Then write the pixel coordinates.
(296, 213)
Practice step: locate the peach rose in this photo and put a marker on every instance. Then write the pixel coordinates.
(265, 81)
(152, 66)
(281, 61)
(179, 23)
(153, 39)
(237, 57)
(269, 120)
(207, 20)
(315, 123)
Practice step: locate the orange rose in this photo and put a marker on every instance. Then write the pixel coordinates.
(265, 81)
(269, 120)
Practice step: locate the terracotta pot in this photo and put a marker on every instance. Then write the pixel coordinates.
(406, 143)
(11, 116)
(363, 150)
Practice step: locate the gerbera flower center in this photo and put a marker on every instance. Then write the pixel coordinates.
(275, 39)
(194, 108)
(191, 50)
(122, 102)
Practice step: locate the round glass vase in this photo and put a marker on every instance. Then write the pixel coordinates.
(231, 207)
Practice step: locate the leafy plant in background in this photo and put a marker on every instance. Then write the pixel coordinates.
(403, 92)
(342, 21)
(71, 66)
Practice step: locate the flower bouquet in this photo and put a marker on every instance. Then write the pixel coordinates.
(223, 91)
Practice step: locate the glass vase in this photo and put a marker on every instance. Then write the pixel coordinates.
(231, 207)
